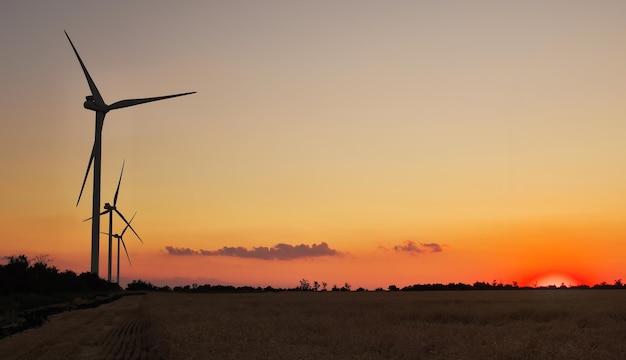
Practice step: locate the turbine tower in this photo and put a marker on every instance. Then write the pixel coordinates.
(110, 209)
(96, 103)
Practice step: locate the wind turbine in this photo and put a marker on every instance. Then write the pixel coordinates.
(96, 103)
(120, 238)
(110, 209)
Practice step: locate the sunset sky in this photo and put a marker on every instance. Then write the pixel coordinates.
(368, 142)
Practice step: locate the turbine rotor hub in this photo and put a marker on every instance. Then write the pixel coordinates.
(90, 104)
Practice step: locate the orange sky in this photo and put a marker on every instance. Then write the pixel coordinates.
(397, 143)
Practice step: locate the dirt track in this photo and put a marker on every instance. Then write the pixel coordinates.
(117, 330)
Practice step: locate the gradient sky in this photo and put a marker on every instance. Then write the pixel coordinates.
(368, 142)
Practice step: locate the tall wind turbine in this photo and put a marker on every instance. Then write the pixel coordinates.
(120, 238)
(96, 103)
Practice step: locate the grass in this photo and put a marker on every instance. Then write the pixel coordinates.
(552, 324)
(542, 324)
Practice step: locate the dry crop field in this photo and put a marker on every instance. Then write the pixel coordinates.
(532, 324)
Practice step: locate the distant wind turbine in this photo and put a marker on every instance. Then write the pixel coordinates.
(110, 209)
(120, 238)
(96, 103)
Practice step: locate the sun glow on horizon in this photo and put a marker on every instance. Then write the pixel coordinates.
(557, 279)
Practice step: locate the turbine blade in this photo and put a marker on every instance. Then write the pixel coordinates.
(82, 188)
(129, 225)
(92, 85)
(133, 102)
(126, 251)
(102, 213)
(126, 227)
(118, 185)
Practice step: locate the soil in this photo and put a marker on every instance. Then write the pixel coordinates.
(115, 330)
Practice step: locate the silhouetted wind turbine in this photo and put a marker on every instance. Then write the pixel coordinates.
(120, 238)
(110, 209)
(96, 103)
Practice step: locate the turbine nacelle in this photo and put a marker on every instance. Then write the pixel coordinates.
(91, 104)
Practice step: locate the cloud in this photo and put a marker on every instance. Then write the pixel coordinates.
(412, 247)
(179, 251)
(276, 252)
(432, 247)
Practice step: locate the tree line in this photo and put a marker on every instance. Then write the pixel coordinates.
(21, 275)
(315, 286)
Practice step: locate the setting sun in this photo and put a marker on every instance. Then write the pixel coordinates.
(555, 279)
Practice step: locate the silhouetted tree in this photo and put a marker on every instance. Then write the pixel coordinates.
(482, 285)
(602, 285)
(140, 285)
(304, 285)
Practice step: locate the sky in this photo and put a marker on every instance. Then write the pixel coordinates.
(367, 142)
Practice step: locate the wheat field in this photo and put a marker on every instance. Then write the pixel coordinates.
(530, 324)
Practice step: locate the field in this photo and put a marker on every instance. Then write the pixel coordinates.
(532, 324)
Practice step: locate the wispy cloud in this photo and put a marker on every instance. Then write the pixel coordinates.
(276, 252)
(179, 251)
(413, 247)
